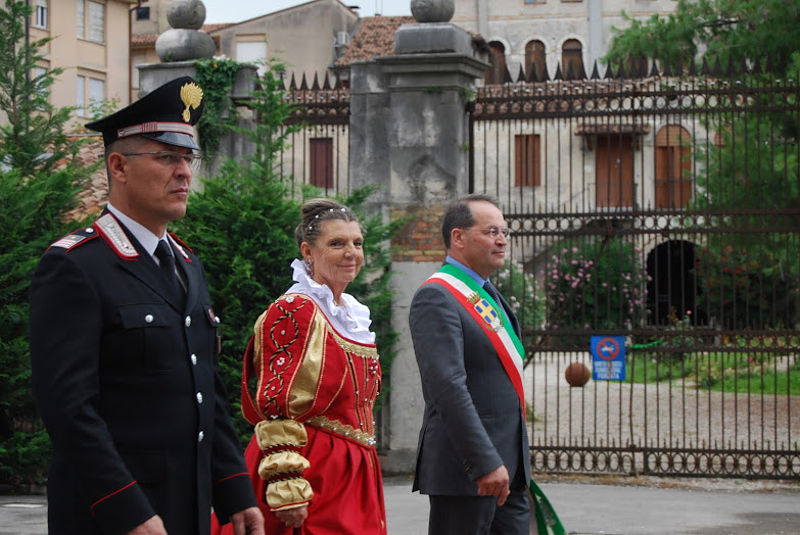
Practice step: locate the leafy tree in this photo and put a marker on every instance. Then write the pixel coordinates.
(40, 179)
(731, 30)
(749, 277)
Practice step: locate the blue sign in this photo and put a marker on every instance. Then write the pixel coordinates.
(608, 358)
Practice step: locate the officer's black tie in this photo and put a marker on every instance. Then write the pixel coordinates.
(168, 269)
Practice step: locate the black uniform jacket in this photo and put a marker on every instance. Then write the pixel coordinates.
(128, 389)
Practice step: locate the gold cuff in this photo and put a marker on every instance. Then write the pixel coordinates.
(288, 494)
(282, 462)
(271, 433)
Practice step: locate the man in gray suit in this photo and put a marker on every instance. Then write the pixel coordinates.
(473, 458)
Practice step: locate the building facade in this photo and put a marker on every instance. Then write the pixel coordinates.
(90, 41)
(532, 34)
(308, 38)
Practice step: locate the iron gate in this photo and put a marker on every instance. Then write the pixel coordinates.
(665, 210)
(316, 152)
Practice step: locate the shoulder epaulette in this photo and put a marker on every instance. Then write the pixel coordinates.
(70, 241)
(115, 236)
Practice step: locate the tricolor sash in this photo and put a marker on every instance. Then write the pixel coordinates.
(490, 316)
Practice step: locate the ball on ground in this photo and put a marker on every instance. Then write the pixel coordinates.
(577, 374)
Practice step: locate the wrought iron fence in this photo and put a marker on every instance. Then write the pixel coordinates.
(317, 151)
(664, 210)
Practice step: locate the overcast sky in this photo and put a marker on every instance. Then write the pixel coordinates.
(239, 10)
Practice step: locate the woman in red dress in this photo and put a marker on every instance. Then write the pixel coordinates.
(312, 457)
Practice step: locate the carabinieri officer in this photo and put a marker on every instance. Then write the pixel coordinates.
(124, 348)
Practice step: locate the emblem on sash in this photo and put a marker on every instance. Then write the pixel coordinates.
(487, 312)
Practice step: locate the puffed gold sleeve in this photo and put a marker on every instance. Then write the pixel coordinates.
(282, 466)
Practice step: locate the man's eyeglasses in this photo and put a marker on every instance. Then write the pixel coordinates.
(171, 159)
(494, 232)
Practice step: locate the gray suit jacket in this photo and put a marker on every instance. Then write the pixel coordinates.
(473, 421)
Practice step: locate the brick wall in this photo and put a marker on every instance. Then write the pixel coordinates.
(420, 240)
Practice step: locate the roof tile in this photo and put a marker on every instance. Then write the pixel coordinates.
(374, 37)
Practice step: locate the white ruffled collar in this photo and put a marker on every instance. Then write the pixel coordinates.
(351, 318)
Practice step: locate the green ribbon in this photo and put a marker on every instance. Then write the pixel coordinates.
(547, 521)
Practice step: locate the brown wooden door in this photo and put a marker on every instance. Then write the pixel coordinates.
(614, 172)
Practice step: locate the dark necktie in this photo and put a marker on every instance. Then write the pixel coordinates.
(168, 271)
(492, 291)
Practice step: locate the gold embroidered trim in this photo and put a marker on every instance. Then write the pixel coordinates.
(358, 349)
(342, 429)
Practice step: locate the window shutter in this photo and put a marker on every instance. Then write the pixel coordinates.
(322, 162)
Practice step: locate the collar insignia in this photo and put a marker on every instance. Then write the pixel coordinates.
(115, 236)
(180, 249)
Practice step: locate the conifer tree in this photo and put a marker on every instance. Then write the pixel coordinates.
(40, 179)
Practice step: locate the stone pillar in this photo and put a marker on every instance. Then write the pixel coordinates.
(369, 129)
(409, 133)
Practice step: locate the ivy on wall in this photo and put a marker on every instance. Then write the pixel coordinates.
(216, 76)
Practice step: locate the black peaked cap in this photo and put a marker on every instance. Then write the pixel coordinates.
(166, 114)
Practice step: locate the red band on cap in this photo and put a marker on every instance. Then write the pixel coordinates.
(155, 126)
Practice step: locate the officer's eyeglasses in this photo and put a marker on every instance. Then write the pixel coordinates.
(171, 159)
(494, 232)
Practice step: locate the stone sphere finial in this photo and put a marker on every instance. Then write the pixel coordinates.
(433, 10)
(186, 14)
(184, 40)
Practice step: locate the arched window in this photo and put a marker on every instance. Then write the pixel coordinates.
(572, 60)
(496, 73)
(673, 167)
(534, 60)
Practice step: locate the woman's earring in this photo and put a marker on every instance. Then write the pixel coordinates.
(309, 266)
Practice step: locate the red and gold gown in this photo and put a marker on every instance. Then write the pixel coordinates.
(313, 442)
